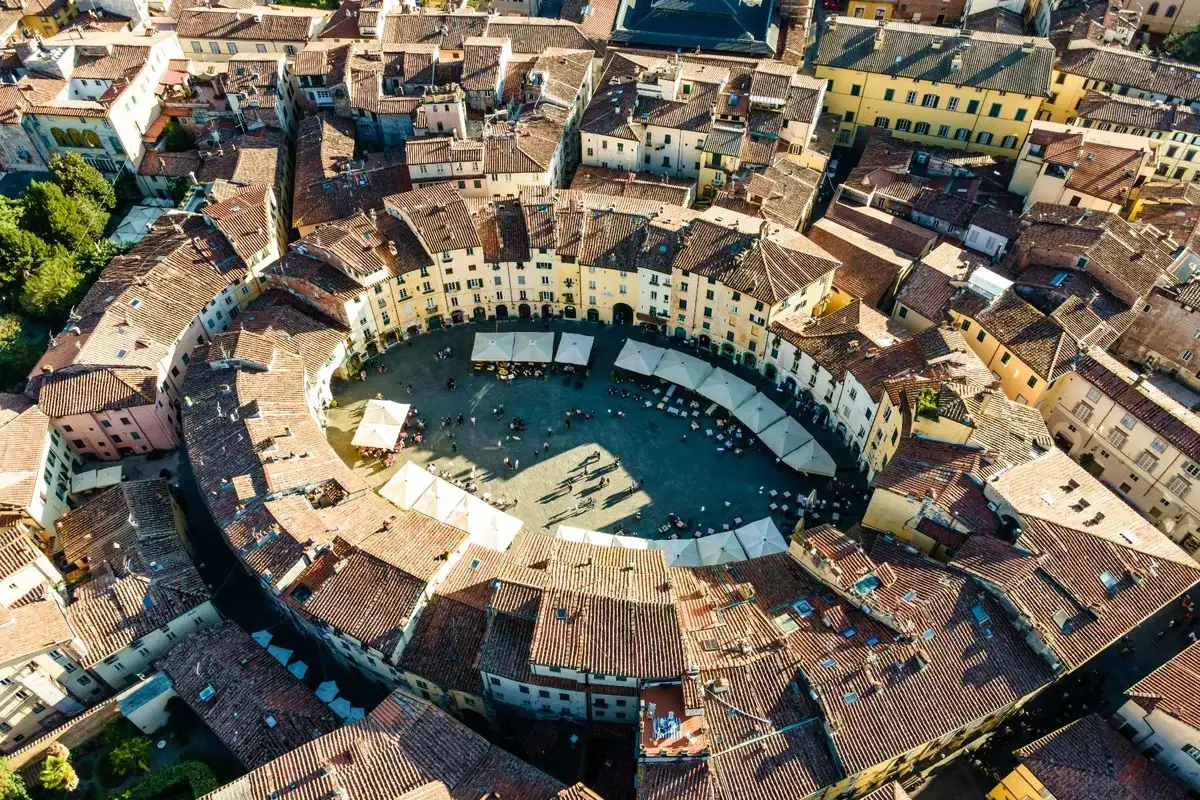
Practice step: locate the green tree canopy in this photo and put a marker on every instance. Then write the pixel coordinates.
(130, 757)
(78, 178)
(57, 773)
(54, 217)
(20, 252)
(12, 785)
(52, 286)
(178, 138)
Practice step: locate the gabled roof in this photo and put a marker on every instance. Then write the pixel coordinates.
(1171, 689)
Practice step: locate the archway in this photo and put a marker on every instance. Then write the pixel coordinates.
(435, 322)
(524, 311)
(622, 314)
(681, 333)
(480, 313)
(412, 330)
(547, 312)
(770, 371)
(750, 361)
(502, 312)
(727, 349)
(593, 315)
(1063, 442)
(457, 316)
(789, 383)
(704, 341)
(569, 312)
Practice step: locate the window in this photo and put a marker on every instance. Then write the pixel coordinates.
(972, 106)
(855, 91)
(215, 47)
(1083, 411)
(994, 111)
(882, 122)
(1179, 486)
(930, 101)
(979, 337)
(1032, 382)
(1008, 142)
(910, 98)
(848, 117)
(1127, 422)
(197, 47)
(965, 325)
(262, 48)
(983, 137)
(962, 134)
(921, 128)
(1158, 445)
(904, 125)
(889, 94)
(231, 47)
(1146, 461)
(1093, 394)
(952, 104)
(1152, 10)
(1118, 438)
(1170, 13)
(943, 131)
(1020, 115)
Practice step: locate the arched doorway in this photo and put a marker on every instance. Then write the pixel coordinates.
(1063, 442)
(770, 371)
(593, 315)
(547, 312)
(524, 311)
(789, 383)
(622, 314)
(750, 361)
(727, 349)
(681, 333)
(569, 312)
(435, 322)
(412, 330)
(457, 317)
(502, 312)
(480, 313)
(704, 341)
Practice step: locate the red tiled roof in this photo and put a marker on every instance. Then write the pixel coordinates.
(1171, 688)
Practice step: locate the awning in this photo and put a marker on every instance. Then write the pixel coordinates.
(727, 391)
(640, 357)
(407, 485)
(484, 524)
(440, 500)
(785, 436)
(719, 548)
(537, 347)
(682, 369)
(679, 552)
(759, 413)
(493, 347)
(812, 459)
(573, 348)
(381, 424)
(761, 538)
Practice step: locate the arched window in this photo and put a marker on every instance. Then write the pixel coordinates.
(60, 138)
(76, 137)
(91, 138)
(1171, 11)
(1152, 10)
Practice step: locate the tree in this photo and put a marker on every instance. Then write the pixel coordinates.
(95, 219)
(130, 757)
(78, 178)
(57, 773)
(20, 252)
(1184, 45)
(178, 138)
(11, 211)
(94, 258)
(52, 286)
(54, 217)
(12, 785)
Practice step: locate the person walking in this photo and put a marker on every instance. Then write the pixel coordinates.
(460, 420)
(472, 422)
(517, 464)
(410, 388)
(545, 447)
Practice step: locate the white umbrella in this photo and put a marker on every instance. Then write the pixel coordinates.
(262, 637)
(727, 391)
(493, 347)
(679, 552)
(631, 542)
(574, 348)
(327, 691)
(811, 458)
(407, 485)
(385, 412)
(599, 539)
(381, 424)
(280, 654)
(484, 524)
(761, 538)
(719, 548)
(533, 347)
(440, 500)
(639, 357)
(571, 533)
(785, 436)
(680, 368)
(758, 413)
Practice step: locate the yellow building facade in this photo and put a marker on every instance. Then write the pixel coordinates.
(47, 18)
(977, 107)
(1019, 785)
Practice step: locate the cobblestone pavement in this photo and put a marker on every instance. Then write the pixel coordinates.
(689, 478)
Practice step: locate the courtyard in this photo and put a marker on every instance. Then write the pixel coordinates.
(678, 470)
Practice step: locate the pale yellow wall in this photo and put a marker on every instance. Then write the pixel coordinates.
(1013, 373)
(1020, 784)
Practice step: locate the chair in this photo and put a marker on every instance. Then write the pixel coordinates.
(710, 530)
(661, 406)
(773, 506)
(737, 520)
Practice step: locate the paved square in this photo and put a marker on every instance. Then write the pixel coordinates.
(689, 478)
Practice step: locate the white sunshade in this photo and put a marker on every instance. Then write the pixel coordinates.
(759, 413)
(679, 552)
(630, 542)
(533, 347)
(727, 391)
(811, 458)
(493, 347)
(761, 538)
(640, 357)
(440, 500)
(574, 348)
(407, 485)
(785, 436)
(570, 533)
(682, 369)
(484, 524)
(381, 424)
(719, 548)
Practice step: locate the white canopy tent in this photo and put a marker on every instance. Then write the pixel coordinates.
(679, 552)
(493, 347)
(785, 436)
(719, 548)
(640, 357)
(727, 391)
(759, 413)
(96, 479)
(682, 369)
(381, 424)
(574, 348)
(537, 347)
(761, 538)
(407, 485)
(484, 524)
(811, 458)
(440, 500)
